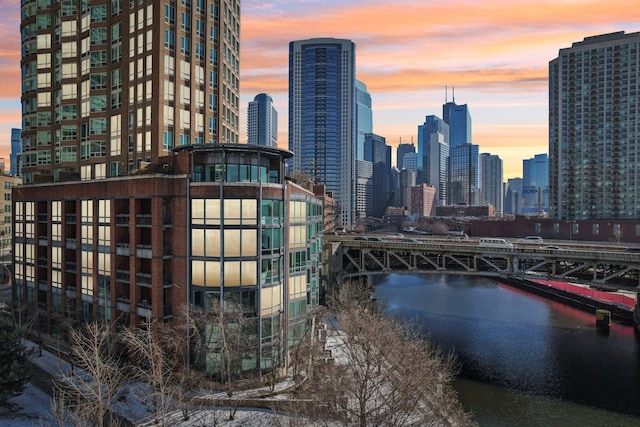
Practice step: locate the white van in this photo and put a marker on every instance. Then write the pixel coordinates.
(531, 239)
(495, 243)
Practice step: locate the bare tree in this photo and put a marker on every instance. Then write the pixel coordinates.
(88, 391)
(385, 372)
(153, 349)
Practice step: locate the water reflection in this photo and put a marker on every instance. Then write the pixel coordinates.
(531, 348)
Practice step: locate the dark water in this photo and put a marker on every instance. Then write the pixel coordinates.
(526, 360)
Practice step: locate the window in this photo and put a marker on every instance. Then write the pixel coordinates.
(169, 39)
(185, 46)
(169, 14)
(99, 13)
(98, 58)
(167, 140)
(185, 21)
(98, 36)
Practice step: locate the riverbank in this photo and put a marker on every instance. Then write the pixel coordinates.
(579, 296)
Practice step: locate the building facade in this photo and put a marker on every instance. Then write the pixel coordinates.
(464, 175)
(423, 198)
(401, 151)
(593, 137)
(15, 156)
(364, 117)
(214, 226)
(433, 154)
(322, 118)
(535, 182)
(492, 187)
(512, 196)
(262, 121)
(459, 121)
(378, 153)
(108, 86)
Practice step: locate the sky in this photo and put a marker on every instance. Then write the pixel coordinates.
(495, 54)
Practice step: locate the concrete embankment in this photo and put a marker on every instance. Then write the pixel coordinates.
(620, 312)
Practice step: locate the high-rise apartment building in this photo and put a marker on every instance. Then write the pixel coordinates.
(459, 121)
(593, 136)
(423, 198)
(433, 152)
(378, 153)
(463, 184)
(108, 86)
(262, 121)
(133, 207)
(322, 118)
(491, 182)
(535, 184)
(401, 151)
(364, 117)
(15, 156)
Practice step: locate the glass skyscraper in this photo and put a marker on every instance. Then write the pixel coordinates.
(459, 121)
(433, 151)
(262, 121)
(491, 181)
(594, 165)
(322, 118)
(464, 175)
(16, 152)
(364, 117)
(535, 191)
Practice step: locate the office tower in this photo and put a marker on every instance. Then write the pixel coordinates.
(463, 186)
(535, 184)
(132, 206)
(364, 188)
(407, 181)
(262, 121)
(410, 161)
(512, 196)
(16, 152)
(364, 117)
(433, 152)
(401, 151)
(459, 121)
(593, 140)
(322, 117)
(378, 153)
(108, 86)
(491, 181)
(423, 198)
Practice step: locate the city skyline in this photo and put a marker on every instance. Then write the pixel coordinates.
(496, 56)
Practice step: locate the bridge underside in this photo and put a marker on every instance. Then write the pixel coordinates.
(558, 265)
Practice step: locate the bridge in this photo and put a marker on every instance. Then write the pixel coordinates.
(607, 266)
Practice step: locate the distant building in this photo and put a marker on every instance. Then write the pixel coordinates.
(407, 181)
(364, 188)
(7, 183)
(410, 161)
(401, 151)
(465, 211)
(463, 186)
(512, 196)
(423, 199)
(535, 184)
(593, 129)
(16, 153)
(378, 153)
(458, 119)
(364, 117)
(433, 152)
(491, 181)
(262, 121)
(322, 118)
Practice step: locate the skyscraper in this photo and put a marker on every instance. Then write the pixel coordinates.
(378, 153)
(433, 152)
(463, 186)
(535, 184)
(109, 86)
(512, 196)
(491, 181)
(400, 153)
(322, 117)
(364, 117)
(459, 121)
(262, 121)
(16, 152)
(593, 136)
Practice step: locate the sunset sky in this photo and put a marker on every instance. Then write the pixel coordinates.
(494, 53)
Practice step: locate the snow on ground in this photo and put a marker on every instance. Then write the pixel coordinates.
(32, 408)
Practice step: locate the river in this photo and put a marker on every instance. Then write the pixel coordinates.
(525, 360)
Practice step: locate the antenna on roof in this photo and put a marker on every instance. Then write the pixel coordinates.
(446, 95)
(453, 94)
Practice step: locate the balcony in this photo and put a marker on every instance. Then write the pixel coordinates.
(143, 220)
(43, 241)
(70, 266)
(123, 303)
(123, 276)
(72, 243)
(70, 218)
(143, 308)
(43, 285)
(143, 279)
(144, 251)
(123, 219)
(122, 249)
